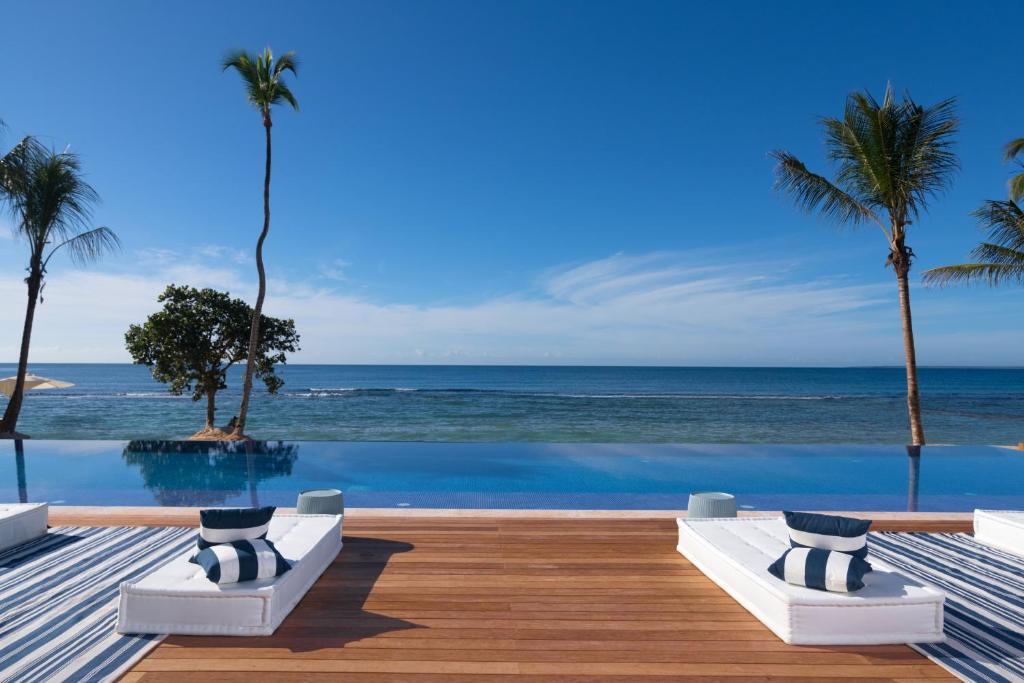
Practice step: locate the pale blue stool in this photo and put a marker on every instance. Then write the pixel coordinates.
(321, 502)
(710, 504)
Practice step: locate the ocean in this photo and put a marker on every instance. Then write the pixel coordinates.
(544, 404)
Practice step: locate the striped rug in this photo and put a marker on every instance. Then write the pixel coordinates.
(58, 601)
(984, 590)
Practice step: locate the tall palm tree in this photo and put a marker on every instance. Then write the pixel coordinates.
(52, 207)
(1000, 259)
(262, 77)
(891, 157)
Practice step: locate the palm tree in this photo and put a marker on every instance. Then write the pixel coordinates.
(891, 158)
(265, 87)
(998, 260)
(52, 206)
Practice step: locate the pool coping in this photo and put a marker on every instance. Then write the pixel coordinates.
(156, 511)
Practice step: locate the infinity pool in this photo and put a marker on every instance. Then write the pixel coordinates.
(512, 475)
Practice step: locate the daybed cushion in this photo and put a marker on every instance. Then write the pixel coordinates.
(823, 570)
(241, 561)
(828, 532)
(22, 522)
(1003, 529)
(735, 554)
(224, 525)
(178, 598)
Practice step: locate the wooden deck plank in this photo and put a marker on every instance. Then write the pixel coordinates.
(530, 600)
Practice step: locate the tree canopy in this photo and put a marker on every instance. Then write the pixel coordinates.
(198, 334)
(263, 78)
(890, 156)
(52, 204)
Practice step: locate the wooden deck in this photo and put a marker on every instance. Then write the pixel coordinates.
(450, 599)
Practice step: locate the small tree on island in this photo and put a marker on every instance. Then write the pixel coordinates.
(198, 335)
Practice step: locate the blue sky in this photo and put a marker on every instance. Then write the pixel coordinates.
(503, 182)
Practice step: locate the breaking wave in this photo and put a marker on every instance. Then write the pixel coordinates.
(362, 392)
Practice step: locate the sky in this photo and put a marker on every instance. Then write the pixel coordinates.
(563, 182)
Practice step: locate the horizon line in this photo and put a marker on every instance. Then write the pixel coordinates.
(583, 365)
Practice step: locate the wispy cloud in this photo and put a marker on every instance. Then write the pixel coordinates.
(664, 308)
(222, 253)
(620, 276)
(335, 270)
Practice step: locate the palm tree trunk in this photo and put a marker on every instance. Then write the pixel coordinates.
(910, 354)
(257, 311)
(10, 420)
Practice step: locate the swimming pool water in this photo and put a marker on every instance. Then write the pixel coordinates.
(512, 475)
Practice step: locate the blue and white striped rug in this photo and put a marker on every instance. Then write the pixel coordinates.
(58, 601)
(984, 590)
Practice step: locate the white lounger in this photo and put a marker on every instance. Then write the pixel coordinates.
(1003, 529)
(178, 598)
(22, 522)
(736, 553)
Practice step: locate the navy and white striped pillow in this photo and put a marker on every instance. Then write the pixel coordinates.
(824, 570)
(233, 524)
(241, 561)
(828, 532)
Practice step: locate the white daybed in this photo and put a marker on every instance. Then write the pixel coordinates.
(1003, 529)
(736, 553)
(22, 522)
(178, 598)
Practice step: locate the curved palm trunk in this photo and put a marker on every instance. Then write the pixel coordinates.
(10, 420)
(910, 354)
(254, 330)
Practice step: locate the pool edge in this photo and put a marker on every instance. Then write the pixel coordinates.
(156, 511)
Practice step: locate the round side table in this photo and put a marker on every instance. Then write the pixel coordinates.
(321, 502)
(709, 504)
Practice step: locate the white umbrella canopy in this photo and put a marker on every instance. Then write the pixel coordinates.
(31, 382)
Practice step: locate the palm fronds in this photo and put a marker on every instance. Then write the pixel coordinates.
(890, 157)
(1003, 221)
(861, 146)
(1016, 185)
(14, 167)
(52, 203)
(263, 77)
(815, 193)
(998, 260)
(89, 245)
(1011, 151)
(991, 274)
(925, 151)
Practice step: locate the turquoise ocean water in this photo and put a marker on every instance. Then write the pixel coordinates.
(548, 404)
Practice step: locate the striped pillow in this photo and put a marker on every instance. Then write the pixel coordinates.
(242, 561)
(828, 532)
(232, 524)
(824, 570)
